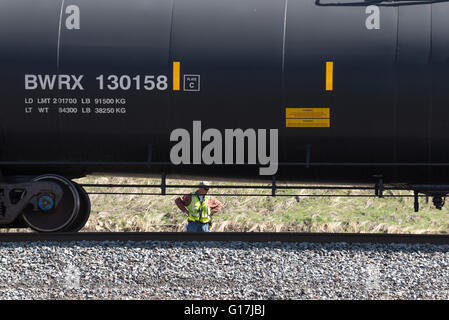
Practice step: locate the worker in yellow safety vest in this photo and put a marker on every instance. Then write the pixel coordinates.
(199, 208)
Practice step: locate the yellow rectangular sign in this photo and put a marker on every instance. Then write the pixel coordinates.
(308, 113)
(308, 123)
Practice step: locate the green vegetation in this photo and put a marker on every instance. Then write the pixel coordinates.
(263, 213)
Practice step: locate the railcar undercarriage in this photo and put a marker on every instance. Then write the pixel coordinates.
(53, 203)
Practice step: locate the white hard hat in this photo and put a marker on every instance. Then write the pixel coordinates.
(204, 184)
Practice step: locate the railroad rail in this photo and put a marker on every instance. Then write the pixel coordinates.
(436, 239)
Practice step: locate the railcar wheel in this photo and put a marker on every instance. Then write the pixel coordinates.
(80, 219)
(49, 218)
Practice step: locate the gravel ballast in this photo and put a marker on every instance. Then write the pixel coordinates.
(222, 270)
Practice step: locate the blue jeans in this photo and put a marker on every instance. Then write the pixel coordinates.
(194, 226)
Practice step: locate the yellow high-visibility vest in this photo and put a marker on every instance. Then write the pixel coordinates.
(199, 211)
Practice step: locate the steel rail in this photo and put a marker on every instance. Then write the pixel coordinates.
(281, 237)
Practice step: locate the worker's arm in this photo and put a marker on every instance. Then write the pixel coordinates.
(183, 202)
(214, 205)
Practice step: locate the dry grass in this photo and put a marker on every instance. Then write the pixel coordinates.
(264, 214)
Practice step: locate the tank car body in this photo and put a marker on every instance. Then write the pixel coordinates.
(352, 91)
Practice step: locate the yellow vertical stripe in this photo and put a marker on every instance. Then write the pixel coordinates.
(329, 75)
(176, 75)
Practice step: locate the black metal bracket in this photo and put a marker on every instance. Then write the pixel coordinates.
(379, 188)
(416, 201)
(163, 184)
(437, 192)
